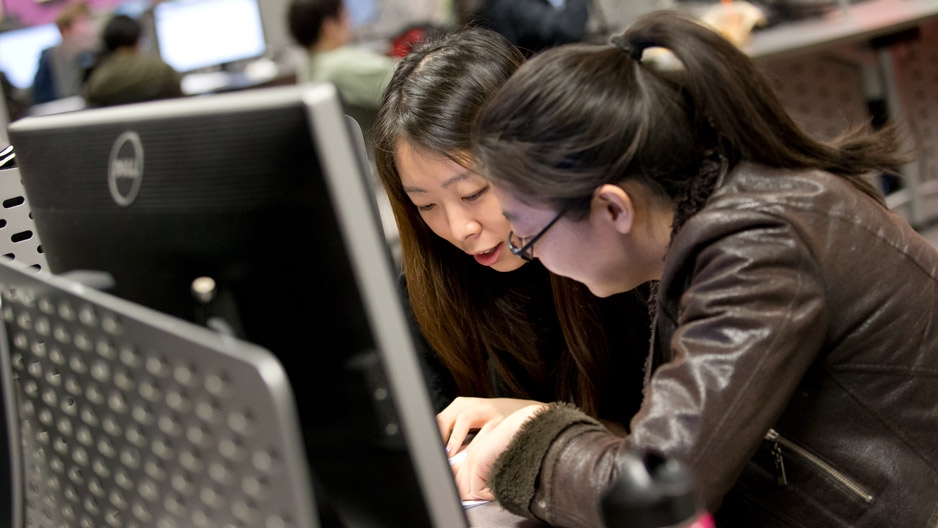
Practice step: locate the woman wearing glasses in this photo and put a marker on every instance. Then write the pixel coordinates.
(793, 363)
(503, 333)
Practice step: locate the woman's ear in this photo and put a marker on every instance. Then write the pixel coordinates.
(614, 205)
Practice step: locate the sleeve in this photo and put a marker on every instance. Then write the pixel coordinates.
(440, 383)
(753, 319)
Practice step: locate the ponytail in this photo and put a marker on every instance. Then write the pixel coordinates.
(731, 96)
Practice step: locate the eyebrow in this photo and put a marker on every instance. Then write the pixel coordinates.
(457, 178)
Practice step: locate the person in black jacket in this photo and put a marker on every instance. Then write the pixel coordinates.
(532, 25)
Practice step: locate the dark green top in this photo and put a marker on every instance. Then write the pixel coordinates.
(130, 78)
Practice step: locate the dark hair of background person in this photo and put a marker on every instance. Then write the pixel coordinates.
(430, 104)
(581, 116)
(121, 32)
(305, 18)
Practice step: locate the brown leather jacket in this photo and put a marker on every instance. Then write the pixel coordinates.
(798, 328)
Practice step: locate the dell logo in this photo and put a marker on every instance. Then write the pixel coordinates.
(125, 168)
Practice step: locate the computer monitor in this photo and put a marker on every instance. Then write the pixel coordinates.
(264, 192)
(20, 50)
(361, 12)
(197, 34)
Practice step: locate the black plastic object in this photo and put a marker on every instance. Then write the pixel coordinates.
(651, 491)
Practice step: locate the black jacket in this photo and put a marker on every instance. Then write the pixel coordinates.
(535, 25)
(627, 328)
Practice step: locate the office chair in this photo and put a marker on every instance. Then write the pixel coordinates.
(120, 416)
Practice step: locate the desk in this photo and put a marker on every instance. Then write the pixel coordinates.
(858, 24)
(223, 81)
(492, 515)
(847, 35)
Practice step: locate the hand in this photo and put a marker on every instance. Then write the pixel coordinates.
(466, 414)
(472, 471)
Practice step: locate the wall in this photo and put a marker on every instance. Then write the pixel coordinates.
(30, 13)
(612, 16)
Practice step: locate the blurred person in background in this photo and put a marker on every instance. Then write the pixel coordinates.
(324, 30)
(531, 25)
(124, 74)
(61, 67)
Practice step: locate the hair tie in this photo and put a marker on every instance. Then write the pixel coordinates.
(624, 45)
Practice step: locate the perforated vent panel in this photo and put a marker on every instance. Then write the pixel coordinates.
(126, 424)
(18, 238)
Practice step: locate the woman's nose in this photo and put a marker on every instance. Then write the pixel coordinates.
(464, 226)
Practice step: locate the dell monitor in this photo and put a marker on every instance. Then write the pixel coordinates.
(20, 50)
(252, 212)
(198, 34)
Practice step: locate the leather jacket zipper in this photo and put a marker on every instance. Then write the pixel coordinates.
(779, 442)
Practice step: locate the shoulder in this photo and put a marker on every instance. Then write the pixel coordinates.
(773, 215)
(754, 186)
(753, 195)
(357, 56)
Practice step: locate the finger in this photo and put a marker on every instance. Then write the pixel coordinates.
(462, 483)
(486, 429)
(458, 435)
(465, 481)
(448, 416)
(486, 494)
(477, 482)
(445, 425)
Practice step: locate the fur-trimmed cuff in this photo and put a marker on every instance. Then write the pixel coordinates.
(513, 476)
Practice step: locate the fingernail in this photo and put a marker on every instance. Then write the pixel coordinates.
(447, 450)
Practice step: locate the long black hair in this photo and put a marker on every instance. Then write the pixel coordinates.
(470, 314)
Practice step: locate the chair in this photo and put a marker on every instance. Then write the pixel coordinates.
(120, 416)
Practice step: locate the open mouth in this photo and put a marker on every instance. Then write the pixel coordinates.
(488, 257)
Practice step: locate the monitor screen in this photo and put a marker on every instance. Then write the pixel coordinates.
(263, 194)
(197, 34)
(20, 49)
(133, 8)
(361, 12)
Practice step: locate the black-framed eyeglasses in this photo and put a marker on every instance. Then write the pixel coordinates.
(526, 250)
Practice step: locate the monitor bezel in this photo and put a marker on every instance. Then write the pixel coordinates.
(354, 201)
